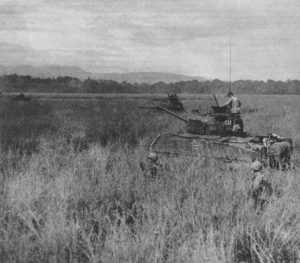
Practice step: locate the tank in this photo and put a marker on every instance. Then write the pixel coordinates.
(220, 135)
(172, 103)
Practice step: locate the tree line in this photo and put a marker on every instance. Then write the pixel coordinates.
(16, 83)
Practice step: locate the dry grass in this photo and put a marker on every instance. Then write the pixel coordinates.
(93, 204)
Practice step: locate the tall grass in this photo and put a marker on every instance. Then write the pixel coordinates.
(61, 204)
(23, 123)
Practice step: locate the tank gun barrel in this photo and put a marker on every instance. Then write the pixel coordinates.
(172, 113)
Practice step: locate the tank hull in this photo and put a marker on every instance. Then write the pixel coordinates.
(227, 149)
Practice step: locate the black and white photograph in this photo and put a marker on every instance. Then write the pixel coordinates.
(150, 131)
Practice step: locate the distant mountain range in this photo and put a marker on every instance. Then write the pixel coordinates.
(148, 77)
(76, 72)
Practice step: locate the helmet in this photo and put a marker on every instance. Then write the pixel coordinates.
(152, 156)
(256, 166)
(229, 94)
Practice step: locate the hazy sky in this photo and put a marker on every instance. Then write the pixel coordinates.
(180, 36)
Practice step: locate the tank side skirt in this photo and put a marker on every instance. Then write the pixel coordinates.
(196, 149)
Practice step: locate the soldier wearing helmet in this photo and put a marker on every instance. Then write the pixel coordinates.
(152, 167)
(279, 151)
(256, 166)
(261, 188)
(152, 157)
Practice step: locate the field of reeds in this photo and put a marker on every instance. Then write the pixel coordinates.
(71, 187)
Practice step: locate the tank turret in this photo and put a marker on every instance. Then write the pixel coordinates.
(220, 123)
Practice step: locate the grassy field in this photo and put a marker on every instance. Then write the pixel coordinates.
(72, 189)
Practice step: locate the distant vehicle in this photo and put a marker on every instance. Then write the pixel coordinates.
(172, 103)
(21, 97)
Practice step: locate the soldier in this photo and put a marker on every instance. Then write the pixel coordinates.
(279, 151)
(233, 103)
(152, 167)
(272, 138)
(261, 188)
(238, 125)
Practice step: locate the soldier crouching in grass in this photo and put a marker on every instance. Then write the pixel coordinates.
(152, 167)
(261, 189)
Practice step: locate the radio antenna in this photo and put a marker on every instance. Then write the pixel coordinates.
(230, 62)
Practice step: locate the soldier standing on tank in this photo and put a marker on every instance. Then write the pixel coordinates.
(261, 189)
(233, 103)
(152, 167)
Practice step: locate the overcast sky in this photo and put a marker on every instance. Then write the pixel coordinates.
(188, 37)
